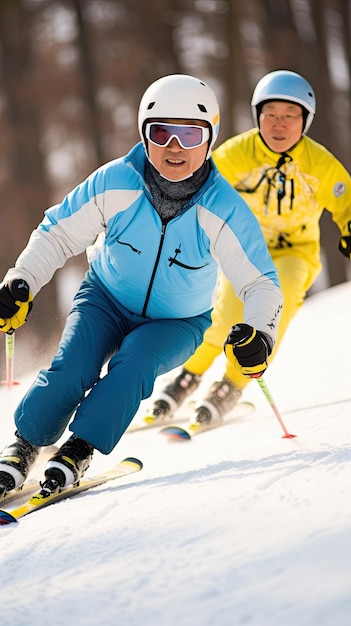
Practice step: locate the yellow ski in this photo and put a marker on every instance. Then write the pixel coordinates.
(128, 466)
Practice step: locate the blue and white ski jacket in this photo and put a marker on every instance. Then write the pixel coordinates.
(157, 270)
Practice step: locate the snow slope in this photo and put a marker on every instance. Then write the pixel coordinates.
(237, 527)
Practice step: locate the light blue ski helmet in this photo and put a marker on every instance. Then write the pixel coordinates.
(287, 86)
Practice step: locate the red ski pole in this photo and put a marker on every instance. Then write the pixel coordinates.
(240, 335)
(272, 404)
(10, 352)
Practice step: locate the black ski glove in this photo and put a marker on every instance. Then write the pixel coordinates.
(249, 348)
(345, 246)
(15, 304)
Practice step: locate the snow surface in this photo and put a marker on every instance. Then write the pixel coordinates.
(237, 527)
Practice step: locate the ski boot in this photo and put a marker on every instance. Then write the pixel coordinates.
(16, 461)
(222, 397)
(174, 395)
(67, 466)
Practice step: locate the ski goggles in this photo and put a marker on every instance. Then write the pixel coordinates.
(188, 136)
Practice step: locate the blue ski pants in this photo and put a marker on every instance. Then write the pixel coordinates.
(100, 330)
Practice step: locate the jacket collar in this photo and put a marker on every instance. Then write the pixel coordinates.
(136, 158)
(265, 153)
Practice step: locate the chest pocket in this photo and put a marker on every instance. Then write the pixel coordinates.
(177, 261)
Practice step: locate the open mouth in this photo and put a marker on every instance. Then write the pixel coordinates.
(175, 161)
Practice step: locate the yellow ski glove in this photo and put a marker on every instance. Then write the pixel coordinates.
(16, 302)
(247, 349)
(345, 246)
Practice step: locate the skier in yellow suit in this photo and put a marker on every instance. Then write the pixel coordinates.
(287, 179)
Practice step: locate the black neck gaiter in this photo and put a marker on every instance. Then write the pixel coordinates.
(169, 198)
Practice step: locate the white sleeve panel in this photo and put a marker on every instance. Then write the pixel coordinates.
(61, 236)
(252, 282)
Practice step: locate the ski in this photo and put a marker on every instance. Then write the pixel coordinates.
(185, 433)
(23, 493)
(36, 502)
(30, 486)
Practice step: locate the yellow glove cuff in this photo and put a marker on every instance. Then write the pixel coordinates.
(246, 371)
(17, 320)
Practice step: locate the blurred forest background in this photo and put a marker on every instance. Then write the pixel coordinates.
(72, 73)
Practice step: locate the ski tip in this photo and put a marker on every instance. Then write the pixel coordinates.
(133, 461)
(6, 518)
(175, 432)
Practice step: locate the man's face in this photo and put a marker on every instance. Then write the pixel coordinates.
(173, 161)
(281, 125)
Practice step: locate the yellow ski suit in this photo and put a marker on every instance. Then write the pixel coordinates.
(287, 193)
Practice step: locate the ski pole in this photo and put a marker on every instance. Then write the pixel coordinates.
(271, 402)
(244, 334)
(10, 352)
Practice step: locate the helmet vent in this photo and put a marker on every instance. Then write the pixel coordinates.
(202, 108)
(150, 105)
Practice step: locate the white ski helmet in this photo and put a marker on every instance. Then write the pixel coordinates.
(179, 96)
(287, 86)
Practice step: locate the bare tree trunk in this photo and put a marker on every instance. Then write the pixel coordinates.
(156, 29)
(324, 132)
(24, 191)
(239, 72)
(89, 81)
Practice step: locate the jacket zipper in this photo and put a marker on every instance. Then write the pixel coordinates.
(154, 270)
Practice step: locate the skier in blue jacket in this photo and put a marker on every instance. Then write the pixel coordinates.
(159, 223)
